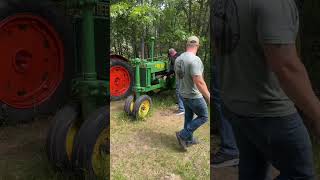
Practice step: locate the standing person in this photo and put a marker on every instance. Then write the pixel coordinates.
(193, 89)
(173, 54)
(228, 154)
(261, 78)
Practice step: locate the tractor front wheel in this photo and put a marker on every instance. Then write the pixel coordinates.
(59, 145)
(128, 105)
(142, 107)
(91, 154)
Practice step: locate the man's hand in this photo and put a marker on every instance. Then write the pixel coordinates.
(292, 75)
(202, 87)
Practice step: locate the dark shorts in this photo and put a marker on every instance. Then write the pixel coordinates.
(282, 142)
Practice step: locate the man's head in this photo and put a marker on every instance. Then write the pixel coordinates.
(172, 52)
(193, 44)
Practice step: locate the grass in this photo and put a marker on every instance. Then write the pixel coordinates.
(149, 150)
(34, 168)
(23, 156)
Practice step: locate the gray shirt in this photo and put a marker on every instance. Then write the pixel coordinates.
(241, 28)
(186, 66)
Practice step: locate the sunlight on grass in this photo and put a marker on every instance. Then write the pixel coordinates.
(149, 149)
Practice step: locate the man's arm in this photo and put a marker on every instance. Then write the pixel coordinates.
(294, 80)
(202, 86)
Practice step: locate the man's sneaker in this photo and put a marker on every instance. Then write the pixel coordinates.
(179, 113)
(182, 143)
(224, 160)
(193, 142)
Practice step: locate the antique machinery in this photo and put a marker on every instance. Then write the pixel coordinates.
(121, 77)
(55, 57)
(150, 76)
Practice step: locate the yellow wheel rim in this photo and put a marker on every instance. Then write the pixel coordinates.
(144, 109)
(71, 134)
(131, 106)
(100, 158)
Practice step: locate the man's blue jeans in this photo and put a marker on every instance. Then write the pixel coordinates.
(228, 143)
(193, 106)
(283, 142)
(179, 97)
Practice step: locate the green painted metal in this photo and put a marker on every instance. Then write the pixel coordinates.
(80, 3)
(150, 74)
(91, 29)
(88, 43)
(136, 63)
(152, 49)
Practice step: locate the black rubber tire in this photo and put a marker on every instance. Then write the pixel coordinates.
(119, 62)
(127, 105)
(94, 125)
(57, 19)
(56, 148)
(138, 103)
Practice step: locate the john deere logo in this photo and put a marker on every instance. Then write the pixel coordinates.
(159, 66)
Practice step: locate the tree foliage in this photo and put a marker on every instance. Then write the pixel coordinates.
(134, 22)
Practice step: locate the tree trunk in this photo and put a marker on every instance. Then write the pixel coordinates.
(190, 16)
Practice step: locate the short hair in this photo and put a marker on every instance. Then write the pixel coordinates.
(171, 50)
(192, 45)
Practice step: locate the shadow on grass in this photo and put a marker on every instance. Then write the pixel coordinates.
(160, 140)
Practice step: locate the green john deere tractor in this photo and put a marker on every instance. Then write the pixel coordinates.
(150, 76)
(55, 61)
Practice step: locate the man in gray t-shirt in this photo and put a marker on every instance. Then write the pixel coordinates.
(261, 76)
(189, 70)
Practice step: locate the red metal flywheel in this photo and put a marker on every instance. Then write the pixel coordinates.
(31, 60)
(120, 80)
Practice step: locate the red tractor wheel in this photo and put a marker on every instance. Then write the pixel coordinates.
(35, 67)
(121, 79)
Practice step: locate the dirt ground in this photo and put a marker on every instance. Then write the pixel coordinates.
(228, 173)
(149, 149)
(22, 151)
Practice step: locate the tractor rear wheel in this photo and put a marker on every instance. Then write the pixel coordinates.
(36, 63)
(121, 79)
(91, 155)
(59, 145)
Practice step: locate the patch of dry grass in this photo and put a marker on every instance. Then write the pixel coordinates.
(149, 149)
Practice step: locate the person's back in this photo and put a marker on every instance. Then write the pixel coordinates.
(194, 90)
(173, 55)
(184, 73)
(248, 87)
(255, 50)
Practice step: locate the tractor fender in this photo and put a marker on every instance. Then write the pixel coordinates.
(118, 57)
